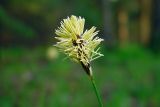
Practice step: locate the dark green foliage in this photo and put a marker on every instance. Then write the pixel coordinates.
(15, 26)
(126, 77)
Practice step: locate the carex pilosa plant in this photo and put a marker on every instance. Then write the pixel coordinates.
(79, 45)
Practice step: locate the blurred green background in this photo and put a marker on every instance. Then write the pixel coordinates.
(34, 74)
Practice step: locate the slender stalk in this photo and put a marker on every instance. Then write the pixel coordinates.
(88, 70)
(96, 91)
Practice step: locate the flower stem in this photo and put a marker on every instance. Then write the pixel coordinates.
(96, 91)
(88, 70)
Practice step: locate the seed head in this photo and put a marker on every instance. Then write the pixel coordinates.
(79, 45)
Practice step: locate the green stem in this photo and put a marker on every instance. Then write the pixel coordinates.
(88, 70)
(96, 91)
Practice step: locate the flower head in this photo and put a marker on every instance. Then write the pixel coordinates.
(79, 45)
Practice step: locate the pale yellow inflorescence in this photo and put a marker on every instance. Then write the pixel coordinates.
(78, 44)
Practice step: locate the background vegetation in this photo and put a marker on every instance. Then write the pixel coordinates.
(34, 74)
